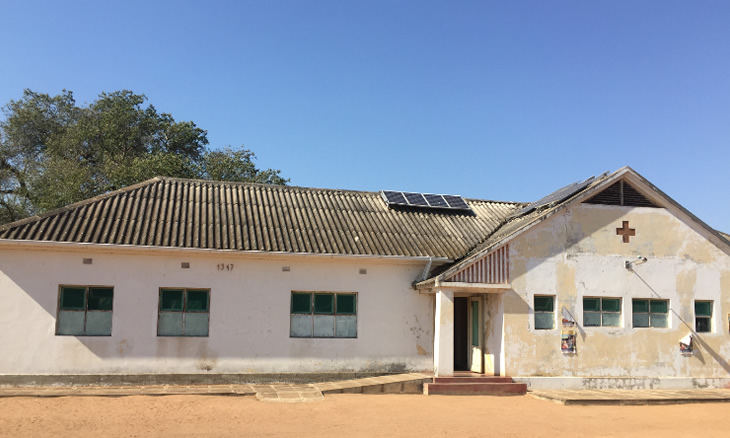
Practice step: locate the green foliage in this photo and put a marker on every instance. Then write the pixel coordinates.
(53, 152)
(236, 165)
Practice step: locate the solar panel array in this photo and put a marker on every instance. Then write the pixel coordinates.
(556, 196)
(425, 200)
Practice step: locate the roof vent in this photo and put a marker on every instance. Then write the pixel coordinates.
(621, 193)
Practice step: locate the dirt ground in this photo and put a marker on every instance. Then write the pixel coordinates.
(350, 415)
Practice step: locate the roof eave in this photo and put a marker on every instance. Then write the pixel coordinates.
(655, 195)
(108, 248)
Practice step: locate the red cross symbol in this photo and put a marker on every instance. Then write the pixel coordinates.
(626, 232)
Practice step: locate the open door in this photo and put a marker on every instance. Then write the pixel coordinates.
(475, 335)
(462, 350)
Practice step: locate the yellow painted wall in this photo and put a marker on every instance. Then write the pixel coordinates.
(577, 254)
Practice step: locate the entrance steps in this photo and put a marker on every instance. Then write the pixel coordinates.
(474, 384)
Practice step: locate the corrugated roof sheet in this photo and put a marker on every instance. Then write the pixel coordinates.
(170, 212)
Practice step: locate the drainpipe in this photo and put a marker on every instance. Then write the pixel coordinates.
(426, 269)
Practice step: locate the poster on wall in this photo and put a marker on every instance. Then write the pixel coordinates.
(567, 341)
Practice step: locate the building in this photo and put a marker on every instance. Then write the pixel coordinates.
(607, 282)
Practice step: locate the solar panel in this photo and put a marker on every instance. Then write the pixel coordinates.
(435, 200)
(425, 200)
(415, 199)
(456, 202)
(395, 197)
(556, 196)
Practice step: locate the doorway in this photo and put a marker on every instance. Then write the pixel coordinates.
(461, 334)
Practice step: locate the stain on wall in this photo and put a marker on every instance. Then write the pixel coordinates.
(578, 254)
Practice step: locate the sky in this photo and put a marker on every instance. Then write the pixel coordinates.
(500, 100)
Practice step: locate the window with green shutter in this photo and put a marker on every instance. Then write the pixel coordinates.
(703, 316)
(544, 306)
(650, 313)
(323, 315)
(85, 311)
(601, 312)
(183, 312)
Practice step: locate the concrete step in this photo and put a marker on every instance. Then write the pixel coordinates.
(473, 379)
(497, 389)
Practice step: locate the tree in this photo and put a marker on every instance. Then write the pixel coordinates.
(236, 165)
(53, 152)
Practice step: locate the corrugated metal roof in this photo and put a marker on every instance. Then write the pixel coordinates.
(512, 225)
(170, 212)
(516, 224)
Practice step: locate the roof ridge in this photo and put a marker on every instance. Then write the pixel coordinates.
(323, 189)
(257, 184)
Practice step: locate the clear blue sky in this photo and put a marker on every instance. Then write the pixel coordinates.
(504, 100)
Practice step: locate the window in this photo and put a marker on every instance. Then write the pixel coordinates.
(703, 316)
(85, 310)
(323, 315)
(601, 312)
(650, 313)
(544, 312)
(183, 312)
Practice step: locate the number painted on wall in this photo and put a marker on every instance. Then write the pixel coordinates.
(225, 266)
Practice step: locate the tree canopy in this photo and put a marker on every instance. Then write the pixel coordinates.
(54, 152)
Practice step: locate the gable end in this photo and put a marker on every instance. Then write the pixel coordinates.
(621, 193)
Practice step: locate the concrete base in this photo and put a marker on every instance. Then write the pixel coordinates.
(636, 383)
(177, 379)
(411, 383)
(633, 397)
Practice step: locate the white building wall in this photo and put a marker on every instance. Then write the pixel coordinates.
(249, 313)
(577, 254)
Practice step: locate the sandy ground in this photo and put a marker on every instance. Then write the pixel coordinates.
(350, 415)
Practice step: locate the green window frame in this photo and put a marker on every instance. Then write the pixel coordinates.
(475, 323)
(544, 306)
(601, 312)
(703, 316)
(183, 312)
(650, 313)
(84, 310)
(323, 315)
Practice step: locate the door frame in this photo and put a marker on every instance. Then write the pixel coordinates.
(475, 347)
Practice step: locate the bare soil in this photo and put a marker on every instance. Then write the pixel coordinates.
(350, 415)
